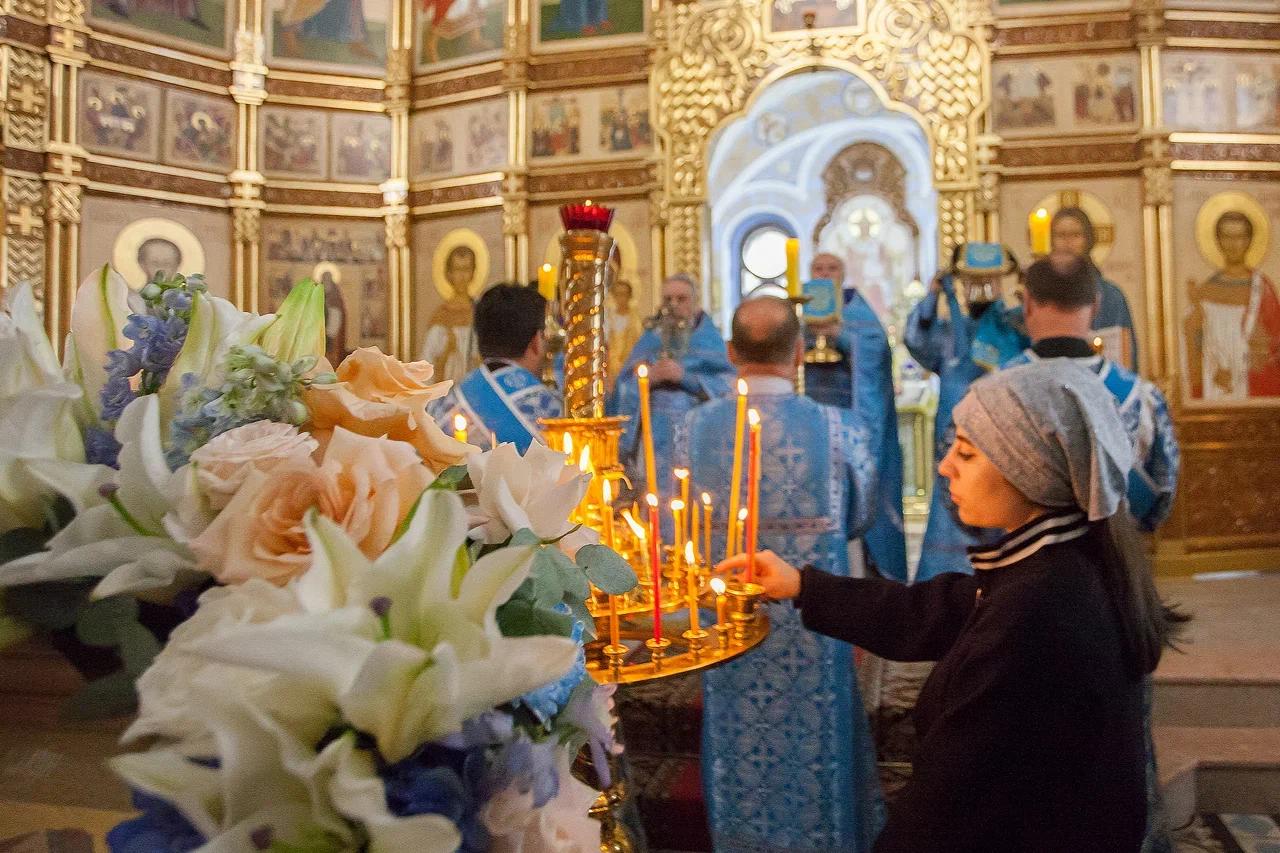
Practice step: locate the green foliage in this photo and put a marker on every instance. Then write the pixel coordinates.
(606, 569)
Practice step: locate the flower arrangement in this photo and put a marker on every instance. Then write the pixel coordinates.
(383, 642)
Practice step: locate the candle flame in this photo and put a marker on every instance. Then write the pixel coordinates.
(681, 473)
(742, 387)
(718, 586)
(567, 444)
(635, 526)
(677, 505)
(1041, 213)
(606, 489)
(459, 421)
(643, 371)
(584, 461)
(688, 553)
(753, 417)
(547, 267)
(742, 514)
(651, 499)
(706, 499)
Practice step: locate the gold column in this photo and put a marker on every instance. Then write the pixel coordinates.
(248, 89)
(988, 196)
(64, 164)
(515, 195)
(1157, 202)
(395, 190)
(25, 82)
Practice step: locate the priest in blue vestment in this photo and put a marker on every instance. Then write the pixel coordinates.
(942, 345)
(503, 399)
(787, 758)
(1003, 335)
(688, 365)
(862, 380)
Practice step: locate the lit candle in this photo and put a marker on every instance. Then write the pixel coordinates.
(735, 487)
(739, 529)
(567, 445)
(606, 508)
(460, 427)
(706, 524)
(694, 529)
(1039, 226)
(655, 564)
(682, 476)
(677, 521)
(793, 267)
(646, 429)
(718, 587)
(692, 575)
(753, 493)
(547, 282)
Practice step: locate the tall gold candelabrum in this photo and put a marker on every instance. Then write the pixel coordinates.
(675, 581)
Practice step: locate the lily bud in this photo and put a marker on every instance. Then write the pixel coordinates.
(298, 328)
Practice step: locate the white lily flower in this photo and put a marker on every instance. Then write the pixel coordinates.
(430, 656)
(27, 360)
(98, 316)
(216, 326)
(124, 542)
(537, 491)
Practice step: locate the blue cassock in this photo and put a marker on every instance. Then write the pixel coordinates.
(1145, 412)
(1004, 335)
(506, 400)
(944, 347)
(707, 376)
(788, 762)
(863, 381)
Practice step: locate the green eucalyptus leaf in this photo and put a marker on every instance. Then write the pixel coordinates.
(101, 623)
(523, 618)
(110, 696)
(456, 478)
(572, 579)
(524, 536)
(583, 615)
(547, 586)
(138, 647)
(606, 569)
(54, 605)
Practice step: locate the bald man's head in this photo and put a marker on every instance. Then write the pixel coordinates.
(765, 331)
(827, 265)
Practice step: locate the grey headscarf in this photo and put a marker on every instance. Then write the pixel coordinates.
(1054, 431)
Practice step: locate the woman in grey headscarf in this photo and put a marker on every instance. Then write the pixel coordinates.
(1030, 727)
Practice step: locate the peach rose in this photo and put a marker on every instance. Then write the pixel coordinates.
(377, 395)
(223, 464)
(367, 485)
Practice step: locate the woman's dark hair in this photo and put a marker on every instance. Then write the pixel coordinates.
(1147, 624)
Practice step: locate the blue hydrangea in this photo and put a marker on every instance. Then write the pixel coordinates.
(101, 447)
(546, 701)
(439, 779)
(160, 828)
(527, 765)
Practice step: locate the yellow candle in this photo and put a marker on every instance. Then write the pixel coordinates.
(793, 267)
(646, 429)
(692, 575)
(739, 530)
(677, 521)
(706, 524)
(682, 477)
(694, 530)
(753, 493)
(718, 587)
(1039, 226)
(547, 282)
(460, 427)
(606, 508)
(735, 486)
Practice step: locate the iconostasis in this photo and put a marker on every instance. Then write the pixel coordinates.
(409, 154)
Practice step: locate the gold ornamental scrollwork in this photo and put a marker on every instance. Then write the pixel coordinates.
(920, 53)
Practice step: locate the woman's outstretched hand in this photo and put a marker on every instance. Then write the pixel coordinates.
(778, 577)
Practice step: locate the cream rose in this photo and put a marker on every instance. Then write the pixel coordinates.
(366, 485)
(378, 395)
(537, 491)
(223, 464)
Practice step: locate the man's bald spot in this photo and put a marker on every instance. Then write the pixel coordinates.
(765, 330)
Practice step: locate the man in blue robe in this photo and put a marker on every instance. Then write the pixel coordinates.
(862, 380)
(943, 346)
(1063, 298)
(503, 398)
(1003, 334)
(688, 365)
(787, 756)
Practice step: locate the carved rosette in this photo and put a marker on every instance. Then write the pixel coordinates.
(714, 54)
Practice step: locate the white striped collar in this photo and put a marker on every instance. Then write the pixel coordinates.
(1058, 526)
